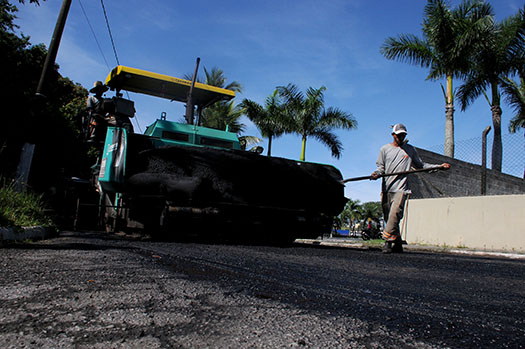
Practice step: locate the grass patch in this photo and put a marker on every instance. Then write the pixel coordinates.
(19, 210)
(375, 243)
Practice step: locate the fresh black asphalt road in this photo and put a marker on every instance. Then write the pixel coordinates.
(89, 290)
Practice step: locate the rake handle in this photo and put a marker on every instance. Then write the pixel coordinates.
(395, 173)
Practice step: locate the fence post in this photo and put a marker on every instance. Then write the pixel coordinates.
(484, 160)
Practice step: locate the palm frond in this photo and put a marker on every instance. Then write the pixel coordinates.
(291, 94)
(330, 139)
(307, 116)
(515, 97)
(444, 92)
(335, 117)
(314, 102)
(408, 48)
(439, 26)
(223, 114)
(270, 119)
(517, 122)
(216, 77)
(252, 110)
(474, 86)
(516, 49)
(474, 28)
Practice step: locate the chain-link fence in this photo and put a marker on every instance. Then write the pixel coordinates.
(470, 150)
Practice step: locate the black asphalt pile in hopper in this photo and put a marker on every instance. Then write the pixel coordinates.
(191, 176)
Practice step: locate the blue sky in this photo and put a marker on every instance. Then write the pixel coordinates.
(264, 44)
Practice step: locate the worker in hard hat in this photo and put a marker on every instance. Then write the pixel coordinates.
(96, 118)
(397, 156)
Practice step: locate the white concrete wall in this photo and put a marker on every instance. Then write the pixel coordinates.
(480, 222)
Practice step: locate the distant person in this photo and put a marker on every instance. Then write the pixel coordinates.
(95, 106)
(397, 156)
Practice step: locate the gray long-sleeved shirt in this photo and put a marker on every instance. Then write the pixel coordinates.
(397, 159)
(95, 104)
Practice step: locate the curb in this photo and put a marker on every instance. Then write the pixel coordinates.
(12, 234)
(355, 245)
(417, 248)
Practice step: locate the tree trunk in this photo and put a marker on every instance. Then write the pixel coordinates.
(449, 130)
(497, 147)
(449, 119)
(269, 146)
(303, 149)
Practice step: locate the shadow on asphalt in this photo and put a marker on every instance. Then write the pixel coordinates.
(93, 240)
(97, 236)
(85, 245)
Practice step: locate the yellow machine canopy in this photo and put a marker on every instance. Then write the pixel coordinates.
(164, 86)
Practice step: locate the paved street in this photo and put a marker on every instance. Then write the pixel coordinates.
(93, 290)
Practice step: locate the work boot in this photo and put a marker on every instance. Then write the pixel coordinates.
(387, 248)
(398, 245)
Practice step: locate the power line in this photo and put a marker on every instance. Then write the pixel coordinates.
(136, 119)
(94, 35)
(115, 52)
(109, 31)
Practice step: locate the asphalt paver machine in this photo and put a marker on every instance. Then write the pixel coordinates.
(181, 178)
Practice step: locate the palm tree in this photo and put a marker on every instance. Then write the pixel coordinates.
(270, 119)
(492, 62)
(371, 214)
(445, 48)
(216, 78)
(514, 93)
(223, 115)
(355, 212)
(211, 116)
(309, 118)
(350, 215)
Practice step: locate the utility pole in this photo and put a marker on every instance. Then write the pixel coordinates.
(53, 46)
(26, 155)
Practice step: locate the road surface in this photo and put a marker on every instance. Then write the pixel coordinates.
(91, 290)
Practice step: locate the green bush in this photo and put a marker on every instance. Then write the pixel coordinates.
(21, 209)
